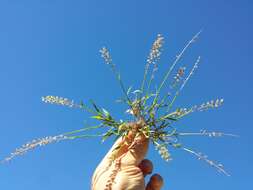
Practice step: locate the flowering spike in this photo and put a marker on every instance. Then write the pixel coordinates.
(34, 144)
(203, 157)
(177, 78)
(105, 54)
(60, 101)
(153, 58)
(163, 151)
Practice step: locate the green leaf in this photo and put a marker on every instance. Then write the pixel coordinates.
(117, 148)
(129, 90)
(82, 136)
(83, 129)
(106, 113)
(98, 117)
(171, 118)
(178, 145)
(95, 106)
(81, 104)
(107, 135)
(167, 117)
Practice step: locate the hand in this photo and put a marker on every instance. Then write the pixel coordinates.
(124, 166)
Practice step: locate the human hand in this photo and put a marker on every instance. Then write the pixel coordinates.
(124, 168)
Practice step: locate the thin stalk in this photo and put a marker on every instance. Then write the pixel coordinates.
(178, 58)
(86, 108)
(84, 136)
(153, 58)
(186, 113)
(210, 134)
(105, 54)
(173, 100)
(184, 83)
(200, 156)
(166, 116)
(83, 129)
(144, 78)
(121, 83)
(149, 84)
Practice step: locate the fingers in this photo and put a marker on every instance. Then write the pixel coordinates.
(132, 148)
(120, 146)
(146, 167)
(136, 151)
(155, 182)
(138, 146)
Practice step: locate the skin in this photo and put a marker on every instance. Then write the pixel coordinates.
(129, 168)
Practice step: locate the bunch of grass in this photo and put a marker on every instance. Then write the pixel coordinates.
(153, 111)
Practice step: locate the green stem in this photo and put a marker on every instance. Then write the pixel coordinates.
(184, 83)
(121, 84)
(144, 78)
(174, 64)
(84, 136)
(173, 100)
(83, 129)
(88, 109)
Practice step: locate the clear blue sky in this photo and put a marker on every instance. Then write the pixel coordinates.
(50, 47)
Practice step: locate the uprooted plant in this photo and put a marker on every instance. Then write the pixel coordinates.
(152, 111)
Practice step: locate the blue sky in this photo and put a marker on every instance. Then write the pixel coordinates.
(50, 47)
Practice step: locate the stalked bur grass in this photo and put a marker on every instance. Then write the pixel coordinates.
(153, 114)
